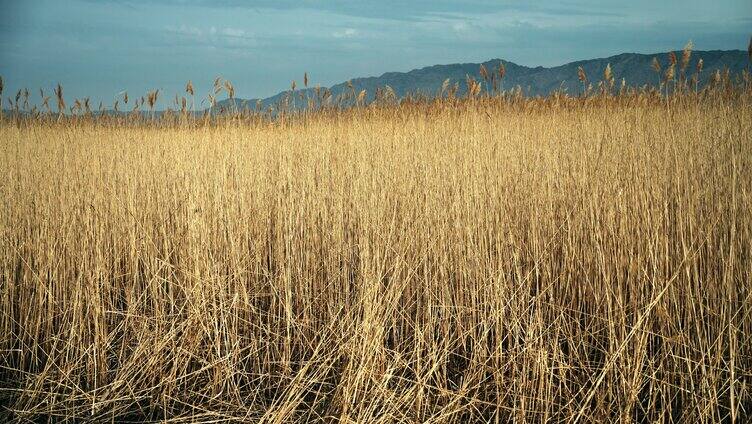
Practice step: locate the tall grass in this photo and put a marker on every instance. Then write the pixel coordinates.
(488, 259)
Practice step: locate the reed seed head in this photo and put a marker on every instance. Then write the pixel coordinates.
(656, 65)
(581, 75)
(686, 55)
(670, 72)
(672, 58)
(483, 72)
(151, 98)
(230, 89)
(608, 75)
(60, 99)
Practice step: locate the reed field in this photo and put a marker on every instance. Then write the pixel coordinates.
(489, 258)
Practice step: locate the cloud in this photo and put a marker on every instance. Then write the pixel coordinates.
(346, 33)
(398, 10)
(228, 37)
(185, 30)
(233, 32)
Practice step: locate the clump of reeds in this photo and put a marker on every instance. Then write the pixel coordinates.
(480, 259)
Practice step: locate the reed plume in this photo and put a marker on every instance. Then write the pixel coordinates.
(361, 97)
(229, 89)
(686, 55)
(656, 65)
(608, 75)
(483, 72)
(716, 79)
(445, 86)
(151, 100)
(26, 98)
(60, 99)
(582, 77)
(669, 75)
(473, 86)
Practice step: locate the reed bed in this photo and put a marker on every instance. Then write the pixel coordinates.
(485, 259)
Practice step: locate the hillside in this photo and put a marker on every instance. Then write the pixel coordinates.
(634, 68)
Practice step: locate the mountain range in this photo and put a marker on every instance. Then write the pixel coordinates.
(634, 68)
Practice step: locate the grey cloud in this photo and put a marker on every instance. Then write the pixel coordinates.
(391, 9)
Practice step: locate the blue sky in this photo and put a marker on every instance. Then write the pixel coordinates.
(98, 48)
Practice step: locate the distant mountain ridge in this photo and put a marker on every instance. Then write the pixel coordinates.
(635, 68)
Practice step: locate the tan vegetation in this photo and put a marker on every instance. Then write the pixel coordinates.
(490, 258)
